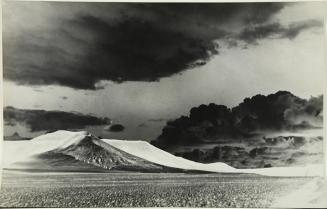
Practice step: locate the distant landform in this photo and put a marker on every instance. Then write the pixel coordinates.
(82, 151)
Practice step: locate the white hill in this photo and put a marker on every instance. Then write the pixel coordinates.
(74, 151)
(123, 155)
(153, 154)
(19, 151)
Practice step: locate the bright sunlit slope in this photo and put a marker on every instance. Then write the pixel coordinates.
(17, 151)
(151, 153)
(74, 151)
(147, 151)
(111, 154)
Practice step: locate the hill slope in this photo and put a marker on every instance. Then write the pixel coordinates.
(65, 149)
(75, 151)
(153, 154)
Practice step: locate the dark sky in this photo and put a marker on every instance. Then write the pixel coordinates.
(141, 64)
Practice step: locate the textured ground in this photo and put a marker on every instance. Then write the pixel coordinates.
(142, 190)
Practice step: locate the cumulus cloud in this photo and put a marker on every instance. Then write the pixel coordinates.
(81, 44)
(296, 114)
(275, 112)
(291, 151)
(43, 120)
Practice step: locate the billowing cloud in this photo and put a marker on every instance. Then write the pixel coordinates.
(296, 114)
(291, 151)
(81, 44)
(281, 111)
(43, 120)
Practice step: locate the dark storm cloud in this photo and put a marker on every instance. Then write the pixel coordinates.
(276, 30)
(42, 120)
(79, 44)
(116, 128)
(281, 111)
(138, 50)
(291, 151)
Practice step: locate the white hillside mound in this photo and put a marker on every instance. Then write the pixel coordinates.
(59, 139)
(153, 154)
(18, 151)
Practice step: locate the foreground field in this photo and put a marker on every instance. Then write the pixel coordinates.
(142, 190)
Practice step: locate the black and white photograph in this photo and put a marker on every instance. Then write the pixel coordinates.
(163, 104)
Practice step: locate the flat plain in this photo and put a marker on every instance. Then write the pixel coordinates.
(123, 189)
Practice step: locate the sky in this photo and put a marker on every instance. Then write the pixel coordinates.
(143, 64)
